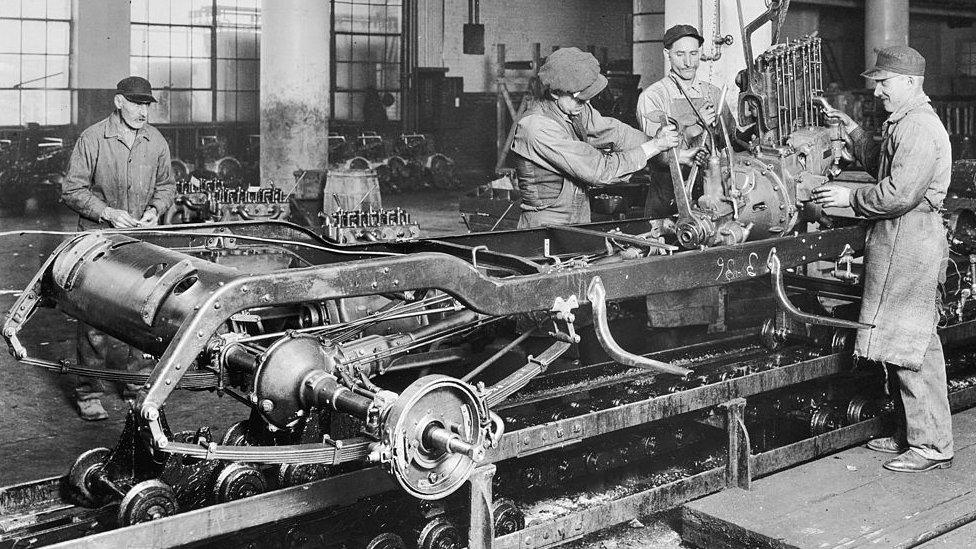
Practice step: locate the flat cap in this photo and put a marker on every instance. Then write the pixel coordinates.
(574, 71)
(895, 60)
(678, 32)
(135, 89)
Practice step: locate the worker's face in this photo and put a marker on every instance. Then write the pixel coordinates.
(895, 92)
(135, 115)
(685, 54)
(568, 104)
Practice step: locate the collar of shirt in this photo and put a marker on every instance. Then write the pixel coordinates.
(676, 82)
(115, 127)
(908, 107)
(555, 112)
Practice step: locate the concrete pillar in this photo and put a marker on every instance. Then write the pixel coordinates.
(294, 88)
(885, 24)
(105, 41)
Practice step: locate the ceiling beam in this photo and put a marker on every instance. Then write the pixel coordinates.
(927, 8)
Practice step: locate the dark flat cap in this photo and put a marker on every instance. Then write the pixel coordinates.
(895, 60)
(678, 32)
(574, 71)
(135, 89)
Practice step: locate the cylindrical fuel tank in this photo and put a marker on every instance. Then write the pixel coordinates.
(135, 291)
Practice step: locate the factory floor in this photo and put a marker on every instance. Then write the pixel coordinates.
(40, 431)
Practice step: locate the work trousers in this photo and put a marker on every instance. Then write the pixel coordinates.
(923, 409)
(102, 351)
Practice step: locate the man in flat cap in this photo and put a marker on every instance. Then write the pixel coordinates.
(904, 257)
(119, 176)
(693, 104)
(563, 145)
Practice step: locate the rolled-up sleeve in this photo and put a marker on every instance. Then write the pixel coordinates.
(542, 140)
(912, 170)
(76, 192)
(164, 191)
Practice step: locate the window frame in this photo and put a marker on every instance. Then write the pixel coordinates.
(22, 87)
(216, 60)
(394, 87)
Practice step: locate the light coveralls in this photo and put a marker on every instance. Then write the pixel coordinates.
(904, 260)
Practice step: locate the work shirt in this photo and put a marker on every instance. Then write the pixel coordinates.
(559, 157)
(105, 172)
(697, 305)
(664, 96)
(906, 250)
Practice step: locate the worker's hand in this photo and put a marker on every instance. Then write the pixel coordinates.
(150, 218)
(696, 155)
(708, 114)
(119, 219)
(849, 124)
(832, 196)
(667, 137)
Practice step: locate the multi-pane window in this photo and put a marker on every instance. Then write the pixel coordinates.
(202, 56)
(366, 51)
(966, 58)
(35, 43)
(238, 25)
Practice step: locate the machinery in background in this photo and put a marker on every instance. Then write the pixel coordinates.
(344, 206)
(384, 225)
(411, 163)
(212, 200)
(375, 371)
(959, 288)
(32, 168)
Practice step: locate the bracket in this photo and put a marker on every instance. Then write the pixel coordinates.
(481, 527)
(738, 470)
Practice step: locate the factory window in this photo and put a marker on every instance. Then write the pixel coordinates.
(35, 44)
(966, 58)
(366, 58)
(202, 56)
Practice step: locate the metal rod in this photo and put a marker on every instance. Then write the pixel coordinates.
(501, 352)
(597, 296)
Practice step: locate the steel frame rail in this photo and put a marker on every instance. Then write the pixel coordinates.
(218, 520)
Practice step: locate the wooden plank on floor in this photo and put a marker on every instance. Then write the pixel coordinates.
(844, 500)
(964, 536)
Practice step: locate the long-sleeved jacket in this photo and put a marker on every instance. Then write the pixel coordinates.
(906, 249)
(556, 163)
(104, 172)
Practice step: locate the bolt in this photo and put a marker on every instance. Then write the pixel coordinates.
(267, 406)
(560, 433)
(433, 477)
(577, 428)
(244, 288)
(217, 305)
